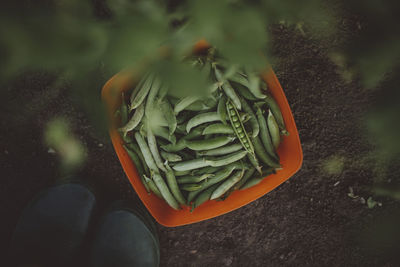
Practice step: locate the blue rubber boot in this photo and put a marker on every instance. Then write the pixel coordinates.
(52, 228)
(126, 236)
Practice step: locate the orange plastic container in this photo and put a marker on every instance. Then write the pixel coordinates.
(289, 151)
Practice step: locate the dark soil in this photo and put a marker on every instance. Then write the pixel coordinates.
(307, 221)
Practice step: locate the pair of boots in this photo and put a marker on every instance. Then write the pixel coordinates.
(60, 227)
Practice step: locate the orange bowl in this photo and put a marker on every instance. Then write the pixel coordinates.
(289, 151)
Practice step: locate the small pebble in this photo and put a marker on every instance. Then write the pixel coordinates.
(100, 145)
(51, 151)
(6, 152)
(337, 183)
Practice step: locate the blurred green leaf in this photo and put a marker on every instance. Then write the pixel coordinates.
(58, 136)
(333, 165)
(71, 39)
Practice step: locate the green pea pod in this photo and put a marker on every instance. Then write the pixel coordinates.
(152, 186)
(193, 179)
(152, 141)
(254, 85)
(173, 185)
(150, 107)
(265, 136)
(197, 106)
(169, 116)
(190, 187)
(148, 157)
(134, 121)
(227, 193)
(277, 113)
(126, 138)
(228, 89)
(180, 145)
(222, 161)
(221, 150)
(248, 174)
(244, 117)
(173, 100)
(162, 92)
(181, 173)
(240, 79)
(190, 165)
(253, 120)
(218, 177)
(170, 157)
(181, 128)
(213, 87)
(238, 127)
(273, 130)
(210, 143)
(123, 110)
(252, 182)
(227, 184)
(135, 159)
(196, 132)
(254, 161)
(202, 118)
(139, 167)
(142, 93)
(262, 154)
(162, 186)
(135, 148)
(211, 102)
(203, 197)
(205, 170)
(218, 128)
(146, 185)
(222, 109)
(239, 165)
(163, 133)
(184, 103)
(244, 92)
(255, 180)
(138, 86)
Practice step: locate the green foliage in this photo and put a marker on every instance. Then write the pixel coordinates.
(67, 36)
(87, 43)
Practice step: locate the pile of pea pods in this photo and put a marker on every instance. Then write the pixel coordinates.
(193, 149)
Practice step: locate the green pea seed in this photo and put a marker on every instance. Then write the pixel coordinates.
(240, 130)
(232, 113)
(237, 124)
(235, 118)
(241, 135)
(230, 105)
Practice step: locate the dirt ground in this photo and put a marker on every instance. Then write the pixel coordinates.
(307, 221)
